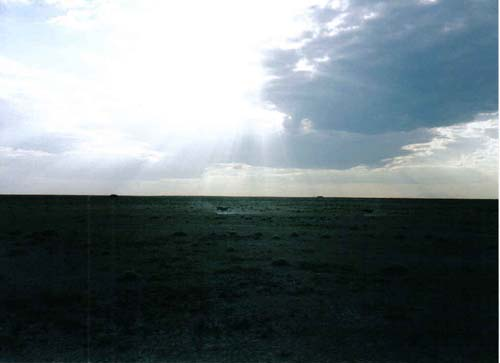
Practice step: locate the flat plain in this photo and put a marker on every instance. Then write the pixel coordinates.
(213, 279)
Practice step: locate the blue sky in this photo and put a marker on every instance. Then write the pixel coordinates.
(292, 98)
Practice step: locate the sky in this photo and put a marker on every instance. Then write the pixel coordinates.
(261, 98)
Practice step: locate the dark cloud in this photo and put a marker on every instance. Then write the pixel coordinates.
(332, 149)
(392, 66)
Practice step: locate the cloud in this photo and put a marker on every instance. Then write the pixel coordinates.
(457, 161)
(454, 161)
(310, 148)
(417, 182)
(14, 2)
(391, 66)
(324, 97)
(469, 145)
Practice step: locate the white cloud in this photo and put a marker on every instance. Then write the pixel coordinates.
(307, 126)
(428, 2)
(72, 4)
(15, 2)
(340, 5)
(303, 65)
(15, 153)
(370, 15)
(469, 145)
(322, 59)
(310, 66)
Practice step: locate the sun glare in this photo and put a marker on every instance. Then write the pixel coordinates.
(204, 74)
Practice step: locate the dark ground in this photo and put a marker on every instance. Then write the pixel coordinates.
(181, 279)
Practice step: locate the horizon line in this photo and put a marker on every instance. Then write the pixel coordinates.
(235, 196)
